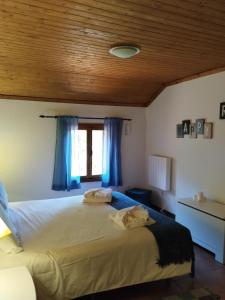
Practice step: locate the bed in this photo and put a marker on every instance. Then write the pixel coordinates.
(73, 249)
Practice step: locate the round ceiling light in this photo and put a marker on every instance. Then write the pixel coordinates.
(124, 51)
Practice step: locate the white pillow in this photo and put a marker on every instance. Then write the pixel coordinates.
(9, 246)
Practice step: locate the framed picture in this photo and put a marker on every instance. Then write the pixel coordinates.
(200, 126)
(222, 110)
(208, 127)
(193, 131)
(186, 126)
(179, 131)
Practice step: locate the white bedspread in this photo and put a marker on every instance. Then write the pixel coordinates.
(44, 223)
(73, 249)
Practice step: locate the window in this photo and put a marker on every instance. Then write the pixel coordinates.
(87, 161)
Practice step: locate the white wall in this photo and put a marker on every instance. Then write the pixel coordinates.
(27, 142)
(27, 145)
(198, 164)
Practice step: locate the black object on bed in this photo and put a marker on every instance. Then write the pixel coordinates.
(173, 239)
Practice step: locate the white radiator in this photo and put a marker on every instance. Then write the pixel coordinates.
(159, 170)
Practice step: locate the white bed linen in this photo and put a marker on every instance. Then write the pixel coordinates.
(73, 249)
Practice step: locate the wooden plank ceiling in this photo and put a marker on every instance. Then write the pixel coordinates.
(57, 50)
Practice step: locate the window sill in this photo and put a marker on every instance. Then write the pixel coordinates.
(90, 179)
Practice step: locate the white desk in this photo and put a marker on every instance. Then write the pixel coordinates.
(16, 284)
(206, 221)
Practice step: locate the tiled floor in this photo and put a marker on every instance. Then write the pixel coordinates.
(209, 273)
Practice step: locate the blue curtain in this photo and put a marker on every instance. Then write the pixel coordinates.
(112, 152)
(62, 177)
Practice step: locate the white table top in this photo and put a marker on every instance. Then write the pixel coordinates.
(208, 206)
(16, 284)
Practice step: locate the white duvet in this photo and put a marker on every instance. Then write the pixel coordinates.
(72, 249)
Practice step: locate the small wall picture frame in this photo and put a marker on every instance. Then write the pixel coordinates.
(208, 129)
(222, 110)
(200, 126)
(186, 126)
(179, 131)
(193, 131)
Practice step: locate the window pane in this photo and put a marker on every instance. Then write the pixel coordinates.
(97, 146)
(79, 153)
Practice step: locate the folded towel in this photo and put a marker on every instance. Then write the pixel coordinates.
(91, 192)
(131, 217)
(99, 195)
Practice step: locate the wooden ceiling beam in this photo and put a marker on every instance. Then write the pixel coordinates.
(117, 102)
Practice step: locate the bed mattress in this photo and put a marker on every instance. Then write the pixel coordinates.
(73, 249)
